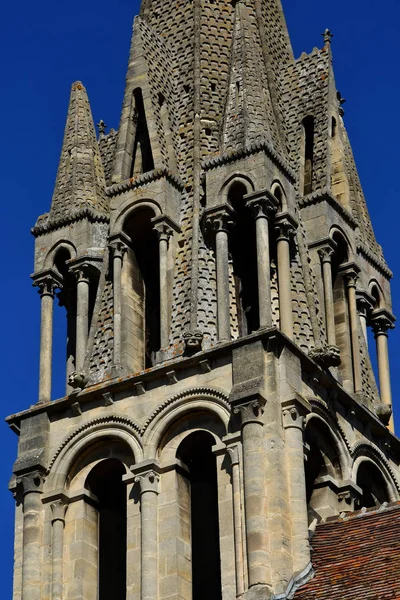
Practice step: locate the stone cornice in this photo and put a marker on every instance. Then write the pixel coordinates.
(263, 146)
(45, 225)
(325, 195)
(374, 260)
(144, 179)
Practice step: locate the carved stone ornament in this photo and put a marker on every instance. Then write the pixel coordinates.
(262, 204)
(381, 321)
(233, 453)
(47, 282)
(252, 411)
(292, 417)
(350, 272)
(219, 218)
(285, 227)
(326, 251)
(119, 244)
(30, 483)
(384, 413)
(326, 357)
(165, 227)
(85, 268)
(193, 341)
(148, 482)
(58, 509)
(77, 380)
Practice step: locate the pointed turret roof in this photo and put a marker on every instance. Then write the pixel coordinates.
(249, 115)
(80, 179)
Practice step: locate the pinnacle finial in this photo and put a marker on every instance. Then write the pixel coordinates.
(101, 127)
(327, 35)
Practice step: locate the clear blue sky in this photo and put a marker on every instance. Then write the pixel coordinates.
(47, 45)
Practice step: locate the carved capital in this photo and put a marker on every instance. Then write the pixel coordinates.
(84, 268)
(31, 483)
(326, 251)
(294, 412)
(285, 227)
(219, 218)
(263, 204)
(350, 273)
(58, 509)
(47, 282)
(164, 227)
(233, 453)
(119, 244)
(148, 481)
(251, 411)
(365, 304)
(382, 321)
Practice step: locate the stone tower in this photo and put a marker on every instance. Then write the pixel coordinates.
(219, 272)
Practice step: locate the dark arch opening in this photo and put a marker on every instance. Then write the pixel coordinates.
(243, 251)
(373, 485)
(144, 284)
(105, 482)
(308, 127)
(195, 452)
(333, 128)
(142, 161)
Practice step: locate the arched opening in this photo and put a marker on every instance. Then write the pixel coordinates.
(373, 485)
(308, 143)
(142, 156)
(64, 326)
(195, 452)
(322, 470)
(243, 251)
(105, 482)
(333, 128)
(141, 292)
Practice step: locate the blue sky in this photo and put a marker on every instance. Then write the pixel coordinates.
(47, 45)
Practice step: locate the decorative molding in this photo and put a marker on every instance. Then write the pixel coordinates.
(45, 225)
(363, 447)
(144, 179)
(321, 409)
(255, 148)
(325, 195)
(193, 393)
(106, 420)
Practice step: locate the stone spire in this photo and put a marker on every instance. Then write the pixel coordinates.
(249, 115)
(80, 179)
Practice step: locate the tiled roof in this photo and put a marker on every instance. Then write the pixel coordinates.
(357, 557)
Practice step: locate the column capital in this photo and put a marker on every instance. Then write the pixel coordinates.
(325, 248)
(48, 282)
(58, 509)
(219, 218)
(294, 412)
(285, 226)
(165, 227)
(148, 482)
(381, 321)
(119, 244)
(31, 482)
(251, 410)
(365, 303)
(84, 267)
(350, 272)
(262, 204)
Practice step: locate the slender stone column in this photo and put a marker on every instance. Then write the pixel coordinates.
(293, 421)
(263, 206)
(164, 229)
(219, 220)
(325, 254)
(58, 508)
(149, 482)
(82, 314)
(350, 274)
(47, 283)
(233, 452)
(285, 227)
(365, 304)
(254, 490)
(31, 486)
(118, 245)
(381, 321)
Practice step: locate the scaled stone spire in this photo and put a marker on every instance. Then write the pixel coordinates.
(80, 179)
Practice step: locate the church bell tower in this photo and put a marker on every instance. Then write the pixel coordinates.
(219, 275)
